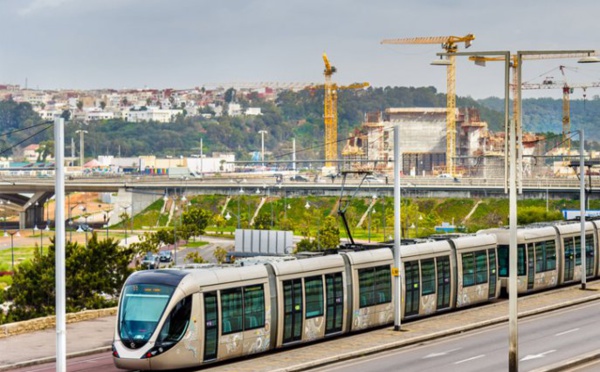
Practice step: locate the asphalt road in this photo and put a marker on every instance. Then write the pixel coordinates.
(544, 340)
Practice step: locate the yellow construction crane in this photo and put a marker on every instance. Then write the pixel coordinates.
(449, 44)
(330, 113)
(567, 89)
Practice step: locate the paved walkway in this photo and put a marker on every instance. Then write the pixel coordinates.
(96, 335)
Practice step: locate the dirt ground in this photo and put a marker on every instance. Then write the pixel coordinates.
(90, 201)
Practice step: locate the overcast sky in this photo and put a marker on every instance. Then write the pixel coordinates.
(86, 44)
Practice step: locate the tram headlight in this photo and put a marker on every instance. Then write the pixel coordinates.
(158, 349)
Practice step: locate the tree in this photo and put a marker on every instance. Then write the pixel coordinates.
(102, 105)
(328, 235)
(46, 149)
(262, 222)
(66, 114)
(94, 277)
(194, 257)
(79, 105)
(220, 254)
(195, 220)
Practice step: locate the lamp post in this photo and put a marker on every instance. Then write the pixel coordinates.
(124, 220)
(262, 141)
(81, 146)
(582, 207)
(585, 56)
(371, 211)
(512, 290)
(70, 230)
(12, 248)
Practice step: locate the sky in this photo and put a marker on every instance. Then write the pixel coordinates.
(128, 44)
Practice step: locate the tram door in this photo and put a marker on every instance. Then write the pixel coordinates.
(443, 282)
(530, 267)
(292, 320)
(335, 302)
(211, 326)
(493, 278)
(569, 258)
(411, 271)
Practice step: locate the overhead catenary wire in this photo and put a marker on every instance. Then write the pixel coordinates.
(25, 140)
(24, 129)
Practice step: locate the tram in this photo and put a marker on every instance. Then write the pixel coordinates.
(179, 318)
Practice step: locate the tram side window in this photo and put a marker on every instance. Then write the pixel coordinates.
(243, 308)
(481, 267)
(313, 288)
(521, 265)
(231, 305)
(503, 261)
(474, 266)
(427, 276)
(545, 256)
(254, 307)
(468, 269)
(375, 285)
(577, 250)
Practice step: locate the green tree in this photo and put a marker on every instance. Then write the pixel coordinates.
(46, 149)
(262, 221)
(527, 215)
(194, 257)
(195, 220)
(94, 277)
(328, 235)
(220, 254)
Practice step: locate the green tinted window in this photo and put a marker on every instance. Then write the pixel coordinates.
(427, 276)
(314, 296)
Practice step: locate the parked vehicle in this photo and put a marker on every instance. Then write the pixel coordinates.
(151, 261)
(165, 256)
(373, 179)
(299, 178)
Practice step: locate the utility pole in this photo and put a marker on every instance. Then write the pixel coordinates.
(262, 141)
(201, 156)
(81, 146)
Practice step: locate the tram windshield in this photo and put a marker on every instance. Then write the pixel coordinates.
(141, 309)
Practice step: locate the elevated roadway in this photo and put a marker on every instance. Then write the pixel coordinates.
(24, 192)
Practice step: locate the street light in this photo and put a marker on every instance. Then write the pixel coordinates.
(585, 56)
(81, 148)
(262, 137)
(513, 359)
(12, 248)
(125, 222)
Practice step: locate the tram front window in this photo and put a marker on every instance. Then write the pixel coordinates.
(141, 309)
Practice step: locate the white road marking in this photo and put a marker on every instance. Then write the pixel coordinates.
(565, 332)
(537, 356)
(434, 355)
(469, 359)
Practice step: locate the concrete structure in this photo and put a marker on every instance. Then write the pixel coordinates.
(152, 114)
(479, 151)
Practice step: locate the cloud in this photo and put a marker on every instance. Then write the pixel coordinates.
(41, 5)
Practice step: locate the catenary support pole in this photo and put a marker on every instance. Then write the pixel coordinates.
(582, 207)
(59, 191)
(397, 235)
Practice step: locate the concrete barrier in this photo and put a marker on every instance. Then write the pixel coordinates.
(37, 324)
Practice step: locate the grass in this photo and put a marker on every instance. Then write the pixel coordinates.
(195, 244)
(21, 254)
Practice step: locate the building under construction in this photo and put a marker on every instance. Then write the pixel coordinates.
(479, 152)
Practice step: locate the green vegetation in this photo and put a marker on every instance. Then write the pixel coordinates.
(94, 276)
(293, 115)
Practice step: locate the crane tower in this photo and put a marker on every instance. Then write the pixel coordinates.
(449, 44)
(330, 117)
